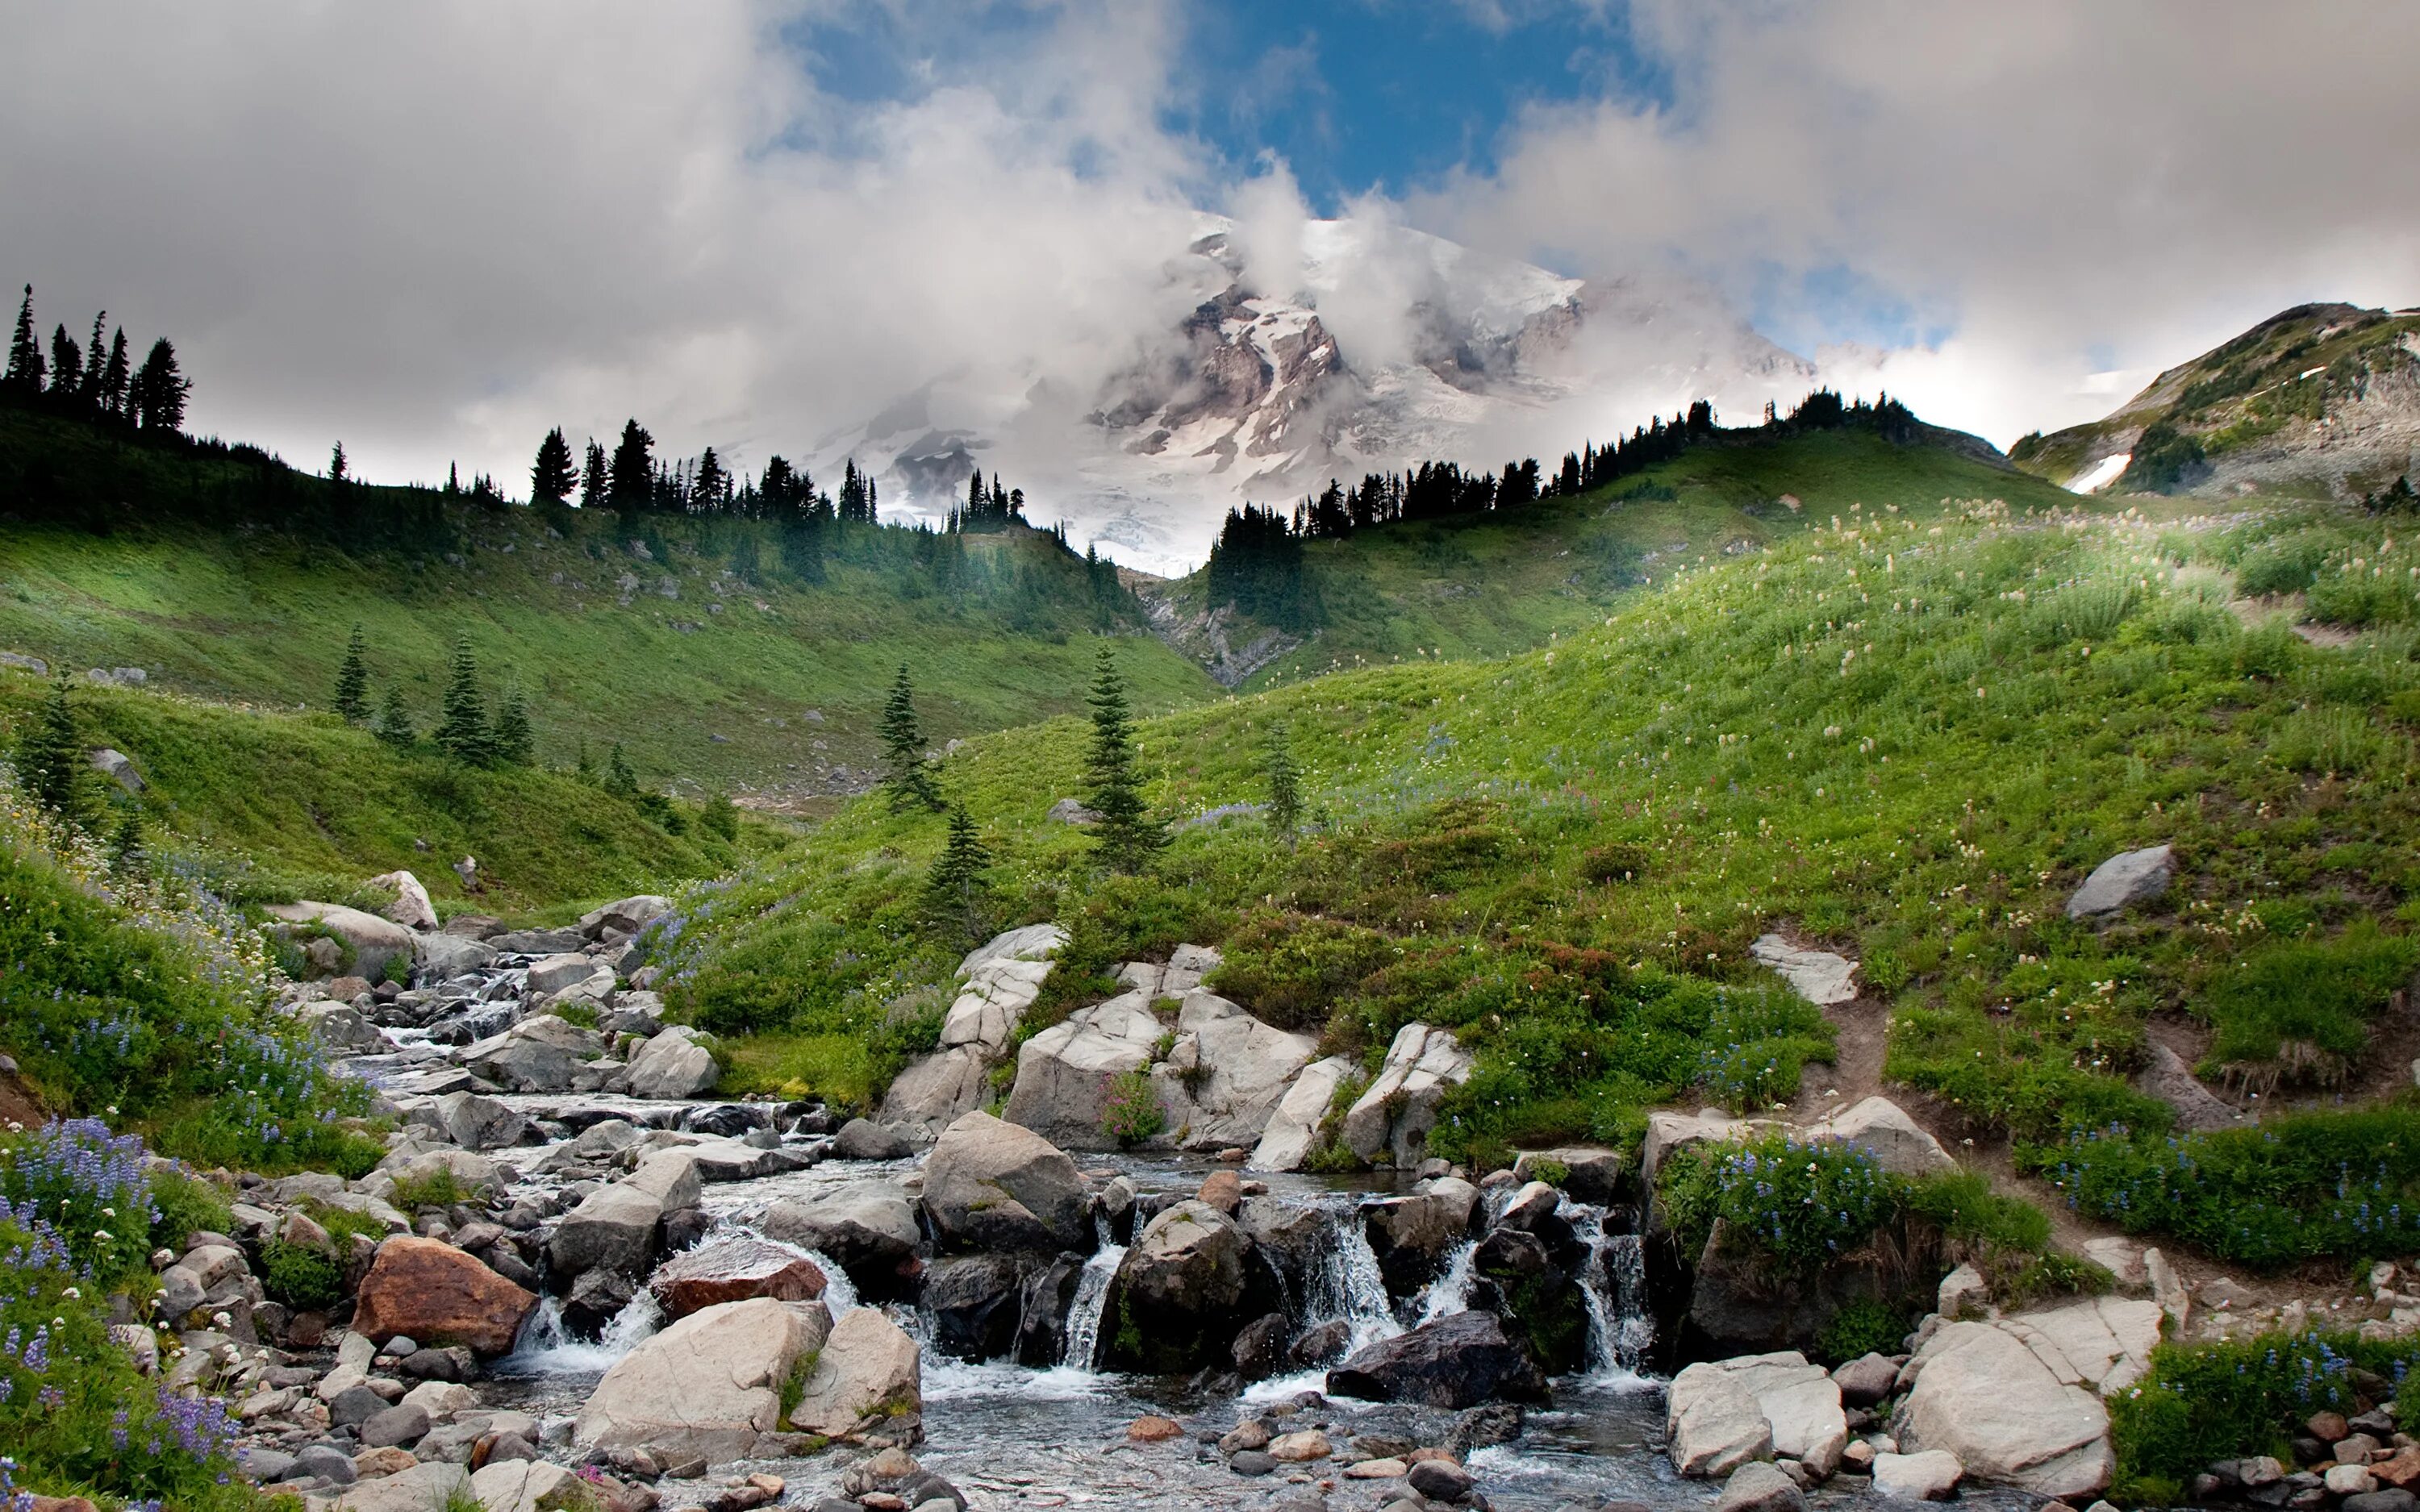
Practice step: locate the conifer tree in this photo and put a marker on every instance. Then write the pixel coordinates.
(619, 780)
(1127, 837)
(553, 476)
(906, 775)
(394, 720)
(593, 485)
(336, 465)
(630, 477)
(1285, 783)
(126, 855)
(92, 392)
(67, 367)
(720, 816)
(353, 681)
(515, 744)
(957, 891)
(462, 723)
(24, 373)
(51, 760)
(159, 391)
(116, 378)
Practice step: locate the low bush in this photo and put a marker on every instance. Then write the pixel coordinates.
(1802, 1203)
(1291, 971)
(2307, 1002)
(2222, 1400)
(1862, 1328)
(1132, 1113)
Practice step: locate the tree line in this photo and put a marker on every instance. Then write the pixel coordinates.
(83, 382)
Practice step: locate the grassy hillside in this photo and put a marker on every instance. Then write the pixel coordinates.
(1908, 739)
(271, 805)
(1488, 584)
(709, 659)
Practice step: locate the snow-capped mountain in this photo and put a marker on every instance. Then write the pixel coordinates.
(1353, 346)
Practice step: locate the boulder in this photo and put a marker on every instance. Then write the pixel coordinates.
(974, 1301)
(436, 1294)
(540, 1054)
(627, 916)
(477, 1122)
(1223, 1080)
(412, 908)
(674, 1065)
(1819, 976)
(1185, 1276)
(1883, 1127)
(344, 1027)
(1592, 1173)
(2198, 1109)
(1714, 1421)
(1461, 1360)
(990, 1185)
(373, 941)
(536, 942)
(1395, 1115)
(1669, 1132)
(1927, 1476)
(2105, 1341)
(442, 957)
(732, 1270)
(1292, 1128)
(2127, 878)
(863, 1139)
(1063, 1073)
(868, 1228)
(1964, 1292)
(1866, 1380)
(866, 1375)
(936, 1091)
(1759, 1486)
(396, 1427)
(528, 1486)
(613, 1229)
(557, 972)
(1799, 1403)
(416, 1489)
(710, 1384)
(1002, 978)
(1412, 1235)
(674, 1176)
(1984, 1396)
(118, 767)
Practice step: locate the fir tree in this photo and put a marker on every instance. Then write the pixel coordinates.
(630, 477)
(619, 780)
(116, 378)
(957, 891)
(720, 816)
(353, 681)
(1285, 783)
(515, 742)
(553, 476)
(24, 375)
(91, 393)
(337, 466)
(126, 855)
(51, 760)
(394, 720)
(462, 723)
(593, 486)
(906, 775)
(1127, 837)
(67, 367)
(159, 392)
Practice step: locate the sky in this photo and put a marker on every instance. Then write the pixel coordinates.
(431, 231)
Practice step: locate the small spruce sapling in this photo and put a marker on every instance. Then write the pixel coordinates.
(514, 743)
(353, 681)
(394, 720)
(51, 759)
(907, 776)
(1285, 783)
(462, 730)
(1127, 837)
(957, 891)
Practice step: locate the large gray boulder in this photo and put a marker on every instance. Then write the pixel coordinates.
(442, 957)
(2167, 1077)
(2008, 1413)
(709, 1385)
(989, 1184)
(418, 1488)
(674, 1064)
(477, 1122)
(1394, 1117)
(1462, 1360)
(1063, 1073)
(1713, 1422)
(2125, 879)
(1183, 1278)
(1882, 1129)
(540, 1054)
(372, 941)
(1224, 1078)
(1292, 1128)
(555, 972)
(614, 1228)
(867, 1229)
(1002, 978)
(1799, 1404)
(412, 908)
(936, 1091)
(627, 916)
(343, 1026)
(867, 1375)
(1757, 1487)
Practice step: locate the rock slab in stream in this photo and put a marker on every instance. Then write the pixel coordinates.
(436, 1294)
(710, 1384)
(732, 1270)
(1293, 1124)
(1459, 1361)
(992, 1185)
(1799, 1404)
(867, 1229)
(1182, 1282)
(674, 1065)
(866, 1376)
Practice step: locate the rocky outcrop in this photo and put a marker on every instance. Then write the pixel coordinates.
(1671, 1133)
(613, 1229)
(627, 916)
(1223, 1079)
(1182, 1283)
(412, 908)
(1590, 1173)
(674, 1065)
(710, 1384)
(1063, 1073)
(1002, 978)
(435, 1294)
(990, 1185)
(1394, 1117)
(1882, 1128)
(1796, 1407)
(2125, 879)
(1462, 1360)
(477, 1122)
(936, 1091)
(1292, 1128)
(540, 1054)
(2009, 1413)
(1713, 1422)
(372, 941)
(1819, 976)
(866, 1378)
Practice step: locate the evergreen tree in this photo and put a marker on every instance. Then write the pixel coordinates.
(462, 722)
(630, 478)
(353, 681)
(720, 816)
(957, 891)
(394, 720)
(23, 377)
(337, 472)
(711, 489)
(67, 367)
(1127, 837)
(619, 780)
(51, 760)
(515, 742)
(160, 391)
(91, 394)
(1285, 783)
(126, 855)
(593, 486)
(906, 775)
(116, 378)
(553, 476)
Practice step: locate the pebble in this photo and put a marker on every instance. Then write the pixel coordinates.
(1376, 1470)
(1150, 1429)
(1297, 1448)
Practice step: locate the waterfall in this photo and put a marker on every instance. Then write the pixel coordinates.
(1348, 1286)
(547, 1347)
(1082, 1345)
(1613, 1285)
(1450, 1294)
(839, 1292)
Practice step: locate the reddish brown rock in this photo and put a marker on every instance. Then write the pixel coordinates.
(1150, 1428)
(1224, 1191)
(733, 1270)
(435, 1294)
(2402, 1472)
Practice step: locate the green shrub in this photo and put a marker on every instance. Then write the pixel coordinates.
(440, 1188)
(1132, 1112)
(575, 1012)
(183, 1203)
(300, 1275)
(1802, 1203)
(1290, 971)
(1964, 1208)
(2222, 1400)
(2057, 1274)
(1862, 1328)
(2318, 995)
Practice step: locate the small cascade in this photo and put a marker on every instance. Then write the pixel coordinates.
(547, 1347)
(1083, 1338)
(839, 1292)
(1613, 1285)
(1348, 1288)
(1450, 1294)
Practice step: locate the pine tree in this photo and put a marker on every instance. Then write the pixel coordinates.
(1285, 783)
(593, 486)
(394, 720)
(24, 375)
(906, 775)
(67, 367)
(462, 723)
(630, 477)
(957, 891)
(160, 391)
(126, 855)
(51, 760)
(353, 681)
(515, 744)
(91, 394)
(337, 472)
(116, 378)
(553, 476)
(1127, 837)
(619, 780)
